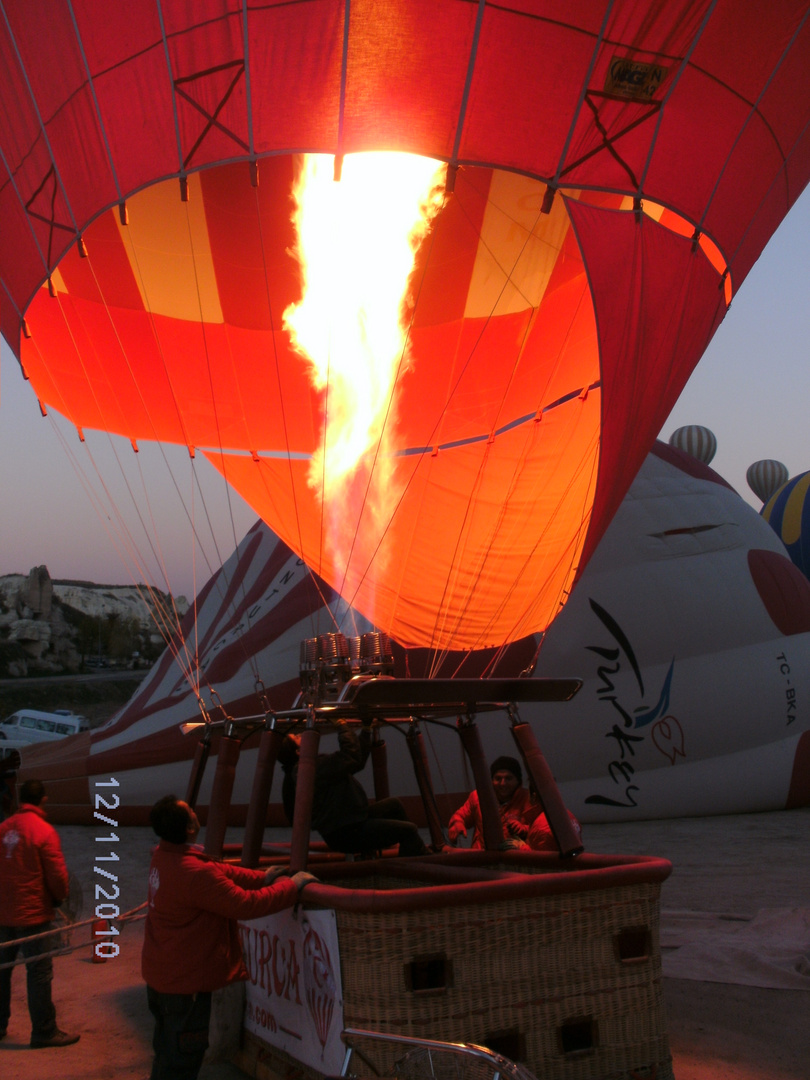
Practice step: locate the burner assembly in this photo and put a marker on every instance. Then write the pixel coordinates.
(330, 662)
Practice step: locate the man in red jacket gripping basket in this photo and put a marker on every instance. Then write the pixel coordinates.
(191, 941)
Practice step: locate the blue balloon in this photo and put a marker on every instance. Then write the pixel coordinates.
(788, 514)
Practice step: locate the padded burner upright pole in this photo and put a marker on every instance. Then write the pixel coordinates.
(198, 768)
(560, 823)
(221, 792)
(379, 766)
(416, 745)
(305, 785)
(266, 759)
(487, 799)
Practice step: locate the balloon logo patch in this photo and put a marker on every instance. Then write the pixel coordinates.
(319, 983)
(667, 735)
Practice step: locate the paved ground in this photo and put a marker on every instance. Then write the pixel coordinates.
(732, 865)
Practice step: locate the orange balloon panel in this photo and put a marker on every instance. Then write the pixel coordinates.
(477, 545)
(463, 523)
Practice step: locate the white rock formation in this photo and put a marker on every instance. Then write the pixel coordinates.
(42, 640)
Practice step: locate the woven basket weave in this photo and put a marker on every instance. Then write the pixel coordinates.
(529, 967)
(540, 978)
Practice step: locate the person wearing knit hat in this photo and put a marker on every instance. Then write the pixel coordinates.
(518, 808)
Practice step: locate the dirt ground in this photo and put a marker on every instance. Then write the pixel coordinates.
(736, 865)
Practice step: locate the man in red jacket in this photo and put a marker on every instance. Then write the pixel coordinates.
(191, 941)
(517, 807)
(33, 878)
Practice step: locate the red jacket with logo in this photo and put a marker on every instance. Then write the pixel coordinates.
(191, 941)
(520, 808)
(33, 875)
(541, 838)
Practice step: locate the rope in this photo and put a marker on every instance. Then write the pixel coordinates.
(68, 927)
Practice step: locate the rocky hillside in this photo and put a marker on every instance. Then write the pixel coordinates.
(52, 627)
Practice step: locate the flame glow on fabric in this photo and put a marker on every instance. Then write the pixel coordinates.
(611, 173)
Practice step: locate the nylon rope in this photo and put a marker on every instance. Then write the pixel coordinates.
(684, 64)
(248, 90)
(129, 545)
(465, 94)
(495, 528)
(571, 549)
(189, 666)
(582, 94)
(42, 128)
(45, 263)
(92, 86)
(251, 660)
(180, 167)
(121, 538)
(441, 654)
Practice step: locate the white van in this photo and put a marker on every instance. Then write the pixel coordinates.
(30, 725)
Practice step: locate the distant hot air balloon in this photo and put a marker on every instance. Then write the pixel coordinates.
(695, 440)
(766, 477)
(571, 265)
(788, 513)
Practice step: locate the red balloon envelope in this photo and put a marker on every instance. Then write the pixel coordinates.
(613, 170)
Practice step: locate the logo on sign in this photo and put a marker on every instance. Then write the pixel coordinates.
(319, 982)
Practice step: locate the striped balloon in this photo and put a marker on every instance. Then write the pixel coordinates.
(788, 514)
(695, 440)
(766, 477)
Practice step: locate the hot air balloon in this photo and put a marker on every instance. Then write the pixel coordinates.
(766, 477)
(698, 631)
(788, 514)
(607, 177)
(695, 440)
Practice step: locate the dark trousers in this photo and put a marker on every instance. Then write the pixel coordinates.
(39, 975)
(387, 824)
(181, 1033)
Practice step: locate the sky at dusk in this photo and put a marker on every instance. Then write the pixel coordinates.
(60, 498)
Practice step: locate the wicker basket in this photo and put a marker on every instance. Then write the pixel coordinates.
(566, 979)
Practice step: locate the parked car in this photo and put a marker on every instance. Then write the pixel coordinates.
(29, 725)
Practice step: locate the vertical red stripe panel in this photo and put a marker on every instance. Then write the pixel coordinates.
(657, 305)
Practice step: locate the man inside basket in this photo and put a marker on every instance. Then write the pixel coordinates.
(341, 811)
(522, 817)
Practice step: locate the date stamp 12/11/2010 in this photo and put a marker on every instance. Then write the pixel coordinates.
(107, 889)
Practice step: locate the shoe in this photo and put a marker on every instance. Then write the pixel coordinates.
(59, 1038)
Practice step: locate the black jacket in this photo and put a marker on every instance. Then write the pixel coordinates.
(338, 798)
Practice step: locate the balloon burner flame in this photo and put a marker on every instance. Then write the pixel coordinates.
(357, 240)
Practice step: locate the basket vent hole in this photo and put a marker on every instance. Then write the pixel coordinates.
(577, 1036)
(429, 973)
(633, 944)
(509, 1044)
